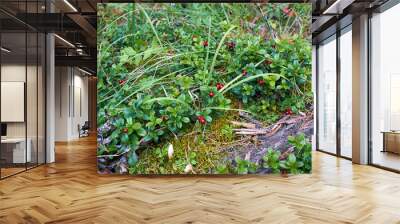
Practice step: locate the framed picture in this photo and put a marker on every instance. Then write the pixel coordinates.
(196, 88)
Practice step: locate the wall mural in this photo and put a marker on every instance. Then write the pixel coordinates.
(204, 88)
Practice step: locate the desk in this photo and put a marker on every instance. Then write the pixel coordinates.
(391, 141)
(16, 147)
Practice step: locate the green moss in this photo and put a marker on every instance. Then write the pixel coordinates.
(201, 148)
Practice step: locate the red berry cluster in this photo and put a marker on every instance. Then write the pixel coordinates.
(201, 119)
(288, 111)
(231, 45)
(220, 86)
(288, 11)
(205, 43)
(122, 81)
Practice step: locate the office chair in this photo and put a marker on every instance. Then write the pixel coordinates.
(84, 130)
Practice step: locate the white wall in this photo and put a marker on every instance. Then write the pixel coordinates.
(70, 83)
(80, 94)
(33, 127)
(16, 73)
(12, 73)
(62, 82)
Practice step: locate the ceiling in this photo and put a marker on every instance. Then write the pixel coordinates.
(74, 22)
(331, 15)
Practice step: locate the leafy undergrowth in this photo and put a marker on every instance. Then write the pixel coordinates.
(175, 75)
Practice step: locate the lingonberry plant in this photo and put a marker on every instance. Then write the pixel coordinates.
(178, 74)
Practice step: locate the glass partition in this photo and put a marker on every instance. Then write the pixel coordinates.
(385, 89)
(346, 93)
(13, 94)
(22, 78)
(327, 96)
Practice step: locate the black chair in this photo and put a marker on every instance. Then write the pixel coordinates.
(84, 130)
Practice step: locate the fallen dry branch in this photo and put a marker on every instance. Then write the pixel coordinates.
(248, 133)
(274, 129)
(250, 129)
(248, 117)
(243, 124)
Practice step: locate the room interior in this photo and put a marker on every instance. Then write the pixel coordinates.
(336, 83)
(25, 63)
(71, 111)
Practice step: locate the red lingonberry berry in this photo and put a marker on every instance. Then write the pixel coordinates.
(201, 119)
(220, 86)
(286, 10)
(122, 81)
(288, 111)
(211, 94)
(244, 72)
(205, 43)
(231, 45)
(261, 82)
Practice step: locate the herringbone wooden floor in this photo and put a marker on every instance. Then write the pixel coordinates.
(70, 191)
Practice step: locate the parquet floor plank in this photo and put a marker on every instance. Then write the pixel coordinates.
(71, 191)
